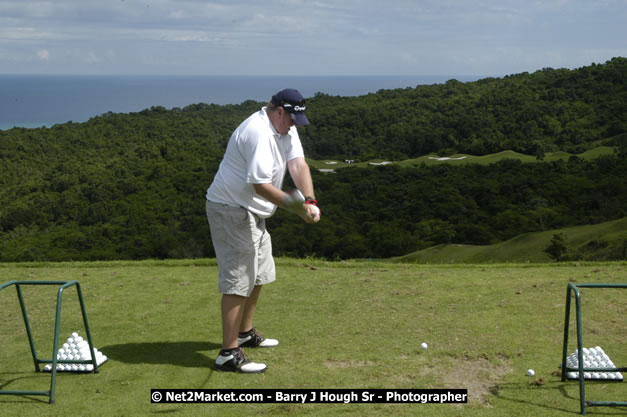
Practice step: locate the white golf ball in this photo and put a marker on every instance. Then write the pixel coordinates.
(531, 372)
(424, 345)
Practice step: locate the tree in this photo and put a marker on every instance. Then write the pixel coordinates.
(557, 248)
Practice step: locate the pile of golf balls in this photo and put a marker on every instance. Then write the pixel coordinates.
(76, 349)
(593, 358)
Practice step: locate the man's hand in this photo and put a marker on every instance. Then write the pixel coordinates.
(295, 202)
(311, 213)
(308, 212)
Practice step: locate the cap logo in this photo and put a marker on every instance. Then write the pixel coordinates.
(293, 108)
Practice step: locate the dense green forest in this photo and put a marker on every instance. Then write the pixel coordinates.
(131, 186)
(549, 110)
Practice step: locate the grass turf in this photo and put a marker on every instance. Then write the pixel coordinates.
(340, 325)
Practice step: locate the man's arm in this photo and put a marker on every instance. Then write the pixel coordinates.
(299, 171)
(271, 193)
(274, 195)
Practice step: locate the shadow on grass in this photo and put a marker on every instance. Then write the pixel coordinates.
(5, 384)
(503, 389)
(186, 354)
(559, 388)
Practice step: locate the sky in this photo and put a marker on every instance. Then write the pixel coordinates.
(308, 37)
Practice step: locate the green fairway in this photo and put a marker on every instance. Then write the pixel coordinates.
(340, 325)
(589, 242)
(458, 159)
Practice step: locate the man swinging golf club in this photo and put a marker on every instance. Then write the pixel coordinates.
(246, 190)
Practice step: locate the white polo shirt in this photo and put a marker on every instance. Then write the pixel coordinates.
(256, 154)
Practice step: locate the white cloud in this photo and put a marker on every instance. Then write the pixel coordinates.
(92, 58)
(323, 36)
(43, 54)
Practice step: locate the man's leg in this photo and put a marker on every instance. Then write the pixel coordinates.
(249, 310)
(225, 222)
(233, 307)
(232, 357)
(249, 337)
(237, 316)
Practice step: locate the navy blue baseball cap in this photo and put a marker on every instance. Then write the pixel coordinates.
(294, 103)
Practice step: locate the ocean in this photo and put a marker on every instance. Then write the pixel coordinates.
(44, 100)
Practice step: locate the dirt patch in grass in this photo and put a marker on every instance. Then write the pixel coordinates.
(481, 376)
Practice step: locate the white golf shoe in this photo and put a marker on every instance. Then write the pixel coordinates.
(252, 338)
(238, 362)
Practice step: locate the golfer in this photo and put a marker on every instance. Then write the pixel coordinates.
(245, 191)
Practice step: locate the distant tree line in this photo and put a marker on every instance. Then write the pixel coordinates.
(389, 211)
(549, 110)
(131, 186)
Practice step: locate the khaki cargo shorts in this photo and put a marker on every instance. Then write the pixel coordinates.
(243, 248)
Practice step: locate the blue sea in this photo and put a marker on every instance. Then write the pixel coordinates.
(45, 100)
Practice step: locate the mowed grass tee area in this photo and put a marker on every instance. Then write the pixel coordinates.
(349, 325)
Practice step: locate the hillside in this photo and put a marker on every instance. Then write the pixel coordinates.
(549, 110)
(527, 153)
(606, 241)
